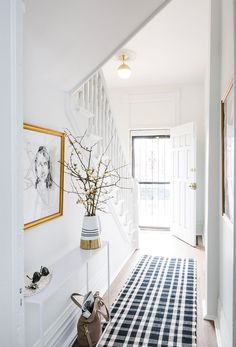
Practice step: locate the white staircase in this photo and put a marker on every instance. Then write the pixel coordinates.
(91, 101)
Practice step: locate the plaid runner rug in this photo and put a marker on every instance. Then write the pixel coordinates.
(157, 306)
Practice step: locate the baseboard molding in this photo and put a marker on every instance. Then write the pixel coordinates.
(207, 316)
(199, 228)
(222, 340)
(223, 333)
(122, 265)
(216, 323)
(57, 334)
(218, 335)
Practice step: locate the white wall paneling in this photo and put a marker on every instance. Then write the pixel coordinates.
(148, 109)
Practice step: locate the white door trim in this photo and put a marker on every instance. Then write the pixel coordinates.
(11, 216)
(234, 252)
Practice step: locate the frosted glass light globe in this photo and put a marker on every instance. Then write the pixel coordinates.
(124, 71)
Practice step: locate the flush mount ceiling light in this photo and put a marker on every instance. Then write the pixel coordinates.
(123, 70)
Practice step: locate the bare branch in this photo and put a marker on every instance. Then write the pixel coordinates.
(92, 185)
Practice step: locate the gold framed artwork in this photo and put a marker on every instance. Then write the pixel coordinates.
(43, 157)
(227, 150)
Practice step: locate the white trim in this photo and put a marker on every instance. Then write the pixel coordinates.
(173, 97)
(122, 265)
(234, 233)
(199, 228)
(212, 196)
(218, 335)
(11, 238)
(205, 315)
(223, 333)
(149, 132)
(65, 322)
(228, 222)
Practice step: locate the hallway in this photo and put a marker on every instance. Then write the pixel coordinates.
(162, 243)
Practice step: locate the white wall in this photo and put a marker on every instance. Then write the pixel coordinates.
(226, 237)
(163, 107)
(44, 105)
(47, 242)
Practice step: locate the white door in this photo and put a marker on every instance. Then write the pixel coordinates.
(183, 182)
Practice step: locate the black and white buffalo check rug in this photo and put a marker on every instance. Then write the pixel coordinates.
(157, 306)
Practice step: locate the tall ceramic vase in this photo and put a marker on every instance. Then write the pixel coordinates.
(90, 236)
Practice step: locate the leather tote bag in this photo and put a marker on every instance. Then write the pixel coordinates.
(90, 329)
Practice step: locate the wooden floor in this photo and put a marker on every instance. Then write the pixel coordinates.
(163, 244)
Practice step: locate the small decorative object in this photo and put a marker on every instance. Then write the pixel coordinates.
(43, 174)
(89, 325)
(39, 280)
(227, 143)
(92, 180)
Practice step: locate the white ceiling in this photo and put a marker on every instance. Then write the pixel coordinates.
(171, 49)
(65, 41)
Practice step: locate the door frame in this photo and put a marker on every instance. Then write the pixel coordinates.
(146, 133)
(11, 236)
(12, 130)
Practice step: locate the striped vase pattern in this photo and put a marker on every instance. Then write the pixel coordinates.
(90, 236)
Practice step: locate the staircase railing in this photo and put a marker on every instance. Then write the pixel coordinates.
(92, 100)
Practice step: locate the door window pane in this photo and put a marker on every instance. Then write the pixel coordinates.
(151, 167)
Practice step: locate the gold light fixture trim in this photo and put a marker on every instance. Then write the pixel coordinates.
(124, 70)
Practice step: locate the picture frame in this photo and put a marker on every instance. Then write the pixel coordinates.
(227, 151)
(43, 171)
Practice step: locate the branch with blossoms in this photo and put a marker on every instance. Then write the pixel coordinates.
(92, 180)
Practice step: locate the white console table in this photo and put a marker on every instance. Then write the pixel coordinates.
(62, 270)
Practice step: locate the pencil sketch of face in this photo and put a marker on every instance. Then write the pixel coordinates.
(43, 168)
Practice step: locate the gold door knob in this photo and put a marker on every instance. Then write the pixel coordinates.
(193, 186)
